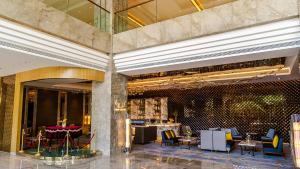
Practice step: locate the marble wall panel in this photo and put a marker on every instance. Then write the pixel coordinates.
(175, 29)
(101, 40)
(272, 10)
(37, 15)
(212, 20)
(57, 20)
(148, 35)
(230, 16)
(125, 41)
(26, 11)
(244, 13)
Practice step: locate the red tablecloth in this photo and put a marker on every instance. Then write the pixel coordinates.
(59, 132)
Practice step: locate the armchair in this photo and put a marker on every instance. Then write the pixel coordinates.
(269, 137)
(268, 148)
(235, 134)
(169, 137)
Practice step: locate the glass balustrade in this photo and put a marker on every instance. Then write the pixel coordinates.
(92, 12)
(140, 13)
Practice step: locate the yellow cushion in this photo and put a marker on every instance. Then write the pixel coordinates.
(275, 141)
(228, 136)
(172, 133)
(168, 134)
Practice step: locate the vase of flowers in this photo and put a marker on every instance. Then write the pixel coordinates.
(189, 133)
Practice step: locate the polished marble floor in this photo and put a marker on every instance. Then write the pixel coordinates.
(152, 156)
(233, 159)
(134, 161)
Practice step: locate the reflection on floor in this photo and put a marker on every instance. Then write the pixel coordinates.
(234, 158)
(152, 156)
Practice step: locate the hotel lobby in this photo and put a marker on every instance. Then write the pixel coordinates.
(142, 84)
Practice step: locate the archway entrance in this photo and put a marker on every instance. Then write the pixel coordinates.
(59, 82)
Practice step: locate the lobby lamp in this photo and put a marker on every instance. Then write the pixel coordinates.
(295, 139)
(122, 107)
(128, 135)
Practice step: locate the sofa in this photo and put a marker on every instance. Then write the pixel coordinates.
(215, 140)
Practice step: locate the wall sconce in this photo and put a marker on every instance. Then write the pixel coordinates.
(87, 120)
(120, 106)
(295, 139)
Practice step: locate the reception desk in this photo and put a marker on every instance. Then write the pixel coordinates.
(144, 134)
(166, 126)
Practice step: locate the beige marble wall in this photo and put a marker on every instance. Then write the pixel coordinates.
(36, 14)
(235, 15)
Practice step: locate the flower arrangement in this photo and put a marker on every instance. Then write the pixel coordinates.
(189, 132)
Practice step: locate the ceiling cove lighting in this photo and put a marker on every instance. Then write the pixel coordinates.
(192, 80)
(135, 20)
(198, 5)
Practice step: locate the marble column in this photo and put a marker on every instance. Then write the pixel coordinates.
(1, 112)
(119, 113)
(106, 119)
(101, 114)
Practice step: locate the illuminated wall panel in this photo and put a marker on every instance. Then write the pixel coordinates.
(248, 107)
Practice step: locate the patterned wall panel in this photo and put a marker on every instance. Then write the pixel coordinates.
(249, 107)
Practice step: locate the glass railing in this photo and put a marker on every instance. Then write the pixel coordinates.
(92, 12)
(140, 13)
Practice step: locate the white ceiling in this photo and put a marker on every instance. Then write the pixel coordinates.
(12, 62)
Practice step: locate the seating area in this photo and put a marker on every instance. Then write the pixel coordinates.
(52, 141)
(226, 140)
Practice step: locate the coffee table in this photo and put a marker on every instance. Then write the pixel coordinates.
(251, 144)
(188, 140)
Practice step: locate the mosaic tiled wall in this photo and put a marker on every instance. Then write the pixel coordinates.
(248, 107)
(6, 111)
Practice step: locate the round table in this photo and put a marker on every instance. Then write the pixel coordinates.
(59, 132)
(188, 140)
